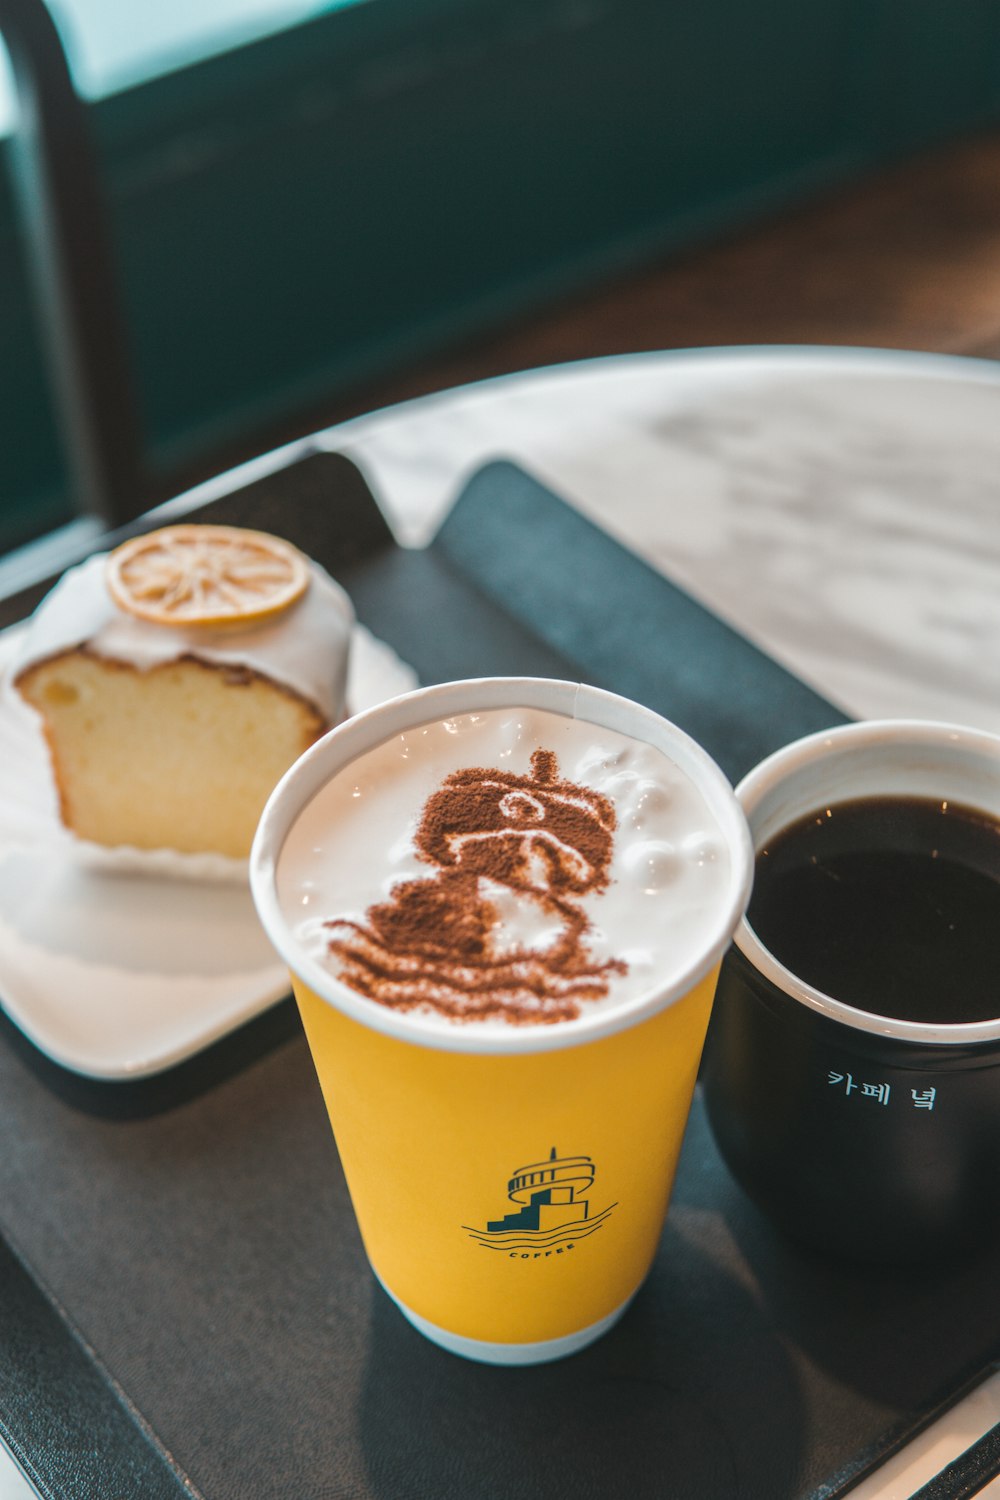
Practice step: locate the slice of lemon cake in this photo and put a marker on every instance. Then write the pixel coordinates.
(178, 677)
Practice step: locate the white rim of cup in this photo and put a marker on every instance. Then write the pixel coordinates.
(355, 736)
(755, 786)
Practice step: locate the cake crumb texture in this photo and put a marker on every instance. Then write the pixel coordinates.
(181, 755)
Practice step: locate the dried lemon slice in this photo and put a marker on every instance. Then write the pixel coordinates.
(206, 575)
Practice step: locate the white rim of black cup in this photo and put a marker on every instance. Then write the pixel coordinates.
(922, 749)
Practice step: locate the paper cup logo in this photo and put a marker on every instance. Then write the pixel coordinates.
(554, 1213)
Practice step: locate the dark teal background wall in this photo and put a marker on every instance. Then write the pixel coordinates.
(320, 207)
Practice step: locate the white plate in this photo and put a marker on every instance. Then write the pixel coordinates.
(116, 973)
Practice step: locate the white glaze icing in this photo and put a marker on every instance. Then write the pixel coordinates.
(305, 648)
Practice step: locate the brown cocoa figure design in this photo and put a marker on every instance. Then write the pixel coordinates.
(435, 941)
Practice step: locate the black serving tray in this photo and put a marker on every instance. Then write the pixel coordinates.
(185, 1305)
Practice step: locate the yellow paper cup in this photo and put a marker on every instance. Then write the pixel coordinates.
(450, 1138)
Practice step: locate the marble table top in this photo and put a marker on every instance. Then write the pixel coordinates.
(840, 507)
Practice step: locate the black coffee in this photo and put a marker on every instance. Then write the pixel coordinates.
(891, 904)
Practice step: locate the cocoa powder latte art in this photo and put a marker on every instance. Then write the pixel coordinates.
(512, 866)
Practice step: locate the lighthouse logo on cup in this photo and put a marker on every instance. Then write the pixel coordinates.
(553, 1212)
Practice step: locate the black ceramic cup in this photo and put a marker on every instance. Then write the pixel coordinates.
(867, 1135)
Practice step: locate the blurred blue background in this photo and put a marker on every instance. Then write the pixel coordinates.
(303, 198)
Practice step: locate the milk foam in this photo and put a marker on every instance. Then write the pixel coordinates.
(669, 875)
